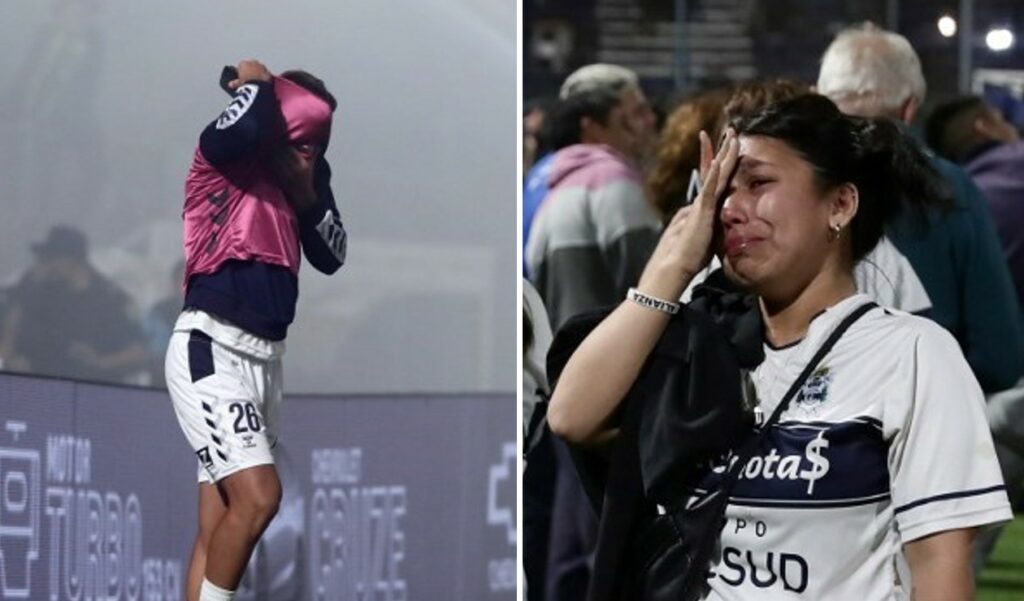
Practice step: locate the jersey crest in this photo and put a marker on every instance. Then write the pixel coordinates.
(814, 392)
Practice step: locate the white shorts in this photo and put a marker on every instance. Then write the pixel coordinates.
(227, 403)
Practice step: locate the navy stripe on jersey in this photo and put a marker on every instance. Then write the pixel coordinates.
(810, 464)
(865, 419)
(808, 504)
(949, 496)
(257, 297)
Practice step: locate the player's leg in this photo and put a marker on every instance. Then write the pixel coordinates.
(211, 511)
(253, 497)
(219, 404)
(189, 360)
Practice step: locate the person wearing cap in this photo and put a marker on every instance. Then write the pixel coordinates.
(66, 319)
(257, 198)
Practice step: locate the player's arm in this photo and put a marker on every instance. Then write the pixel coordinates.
(324, 239)
(305, 177)
(248, 119)
(940, 566)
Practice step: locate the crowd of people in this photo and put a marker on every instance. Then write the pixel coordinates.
(811, 200)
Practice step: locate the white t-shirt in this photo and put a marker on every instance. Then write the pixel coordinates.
(885, 443)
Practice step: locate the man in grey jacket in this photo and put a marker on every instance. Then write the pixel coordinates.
(594, 230)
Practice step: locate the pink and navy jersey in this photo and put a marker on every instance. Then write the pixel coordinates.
(243, 240)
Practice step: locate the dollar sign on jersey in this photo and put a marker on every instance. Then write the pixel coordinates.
(819, 464)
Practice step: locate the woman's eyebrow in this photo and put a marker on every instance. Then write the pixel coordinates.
(747, 164)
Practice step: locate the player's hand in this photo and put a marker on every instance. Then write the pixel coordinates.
(293, 167)
(686, 245)
(250, 70)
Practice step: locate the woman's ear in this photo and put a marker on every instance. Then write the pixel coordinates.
(844, 205)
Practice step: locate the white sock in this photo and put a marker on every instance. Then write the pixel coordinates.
(211, 592)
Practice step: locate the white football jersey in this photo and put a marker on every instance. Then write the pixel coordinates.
(885, 443)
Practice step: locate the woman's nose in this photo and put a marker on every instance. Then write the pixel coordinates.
(734, 208)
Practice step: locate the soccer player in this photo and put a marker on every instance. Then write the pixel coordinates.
(257, 197)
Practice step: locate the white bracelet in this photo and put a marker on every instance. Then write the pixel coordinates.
(651, 302)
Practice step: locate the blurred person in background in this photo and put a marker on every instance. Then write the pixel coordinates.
(955, 251)
(534, 116)
(64, 318)
(552, 134)
(257, 197)
(158, 322)
(593, 229)
(975, 134)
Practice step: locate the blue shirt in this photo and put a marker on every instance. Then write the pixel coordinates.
(535, 188)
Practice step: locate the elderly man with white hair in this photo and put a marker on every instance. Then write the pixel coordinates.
(871, 72)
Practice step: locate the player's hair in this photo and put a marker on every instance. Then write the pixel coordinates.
(885, 164)
(313, 84)
(949, 130)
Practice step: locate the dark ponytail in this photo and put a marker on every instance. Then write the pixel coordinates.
(886, 165)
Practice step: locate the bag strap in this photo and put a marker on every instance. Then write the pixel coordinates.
(747, 451)
(538, 425)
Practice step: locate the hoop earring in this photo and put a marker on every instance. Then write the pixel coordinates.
(833, 232)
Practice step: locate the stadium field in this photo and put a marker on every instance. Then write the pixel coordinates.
(1003, 577)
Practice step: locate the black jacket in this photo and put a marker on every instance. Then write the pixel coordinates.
(685, 410)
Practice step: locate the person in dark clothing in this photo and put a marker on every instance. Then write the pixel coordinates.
(973, 133)
(65, 318)
(158, 323)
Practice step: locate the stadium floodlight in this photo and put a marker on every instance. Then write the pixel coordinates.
(947, 26)
(999, 39)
